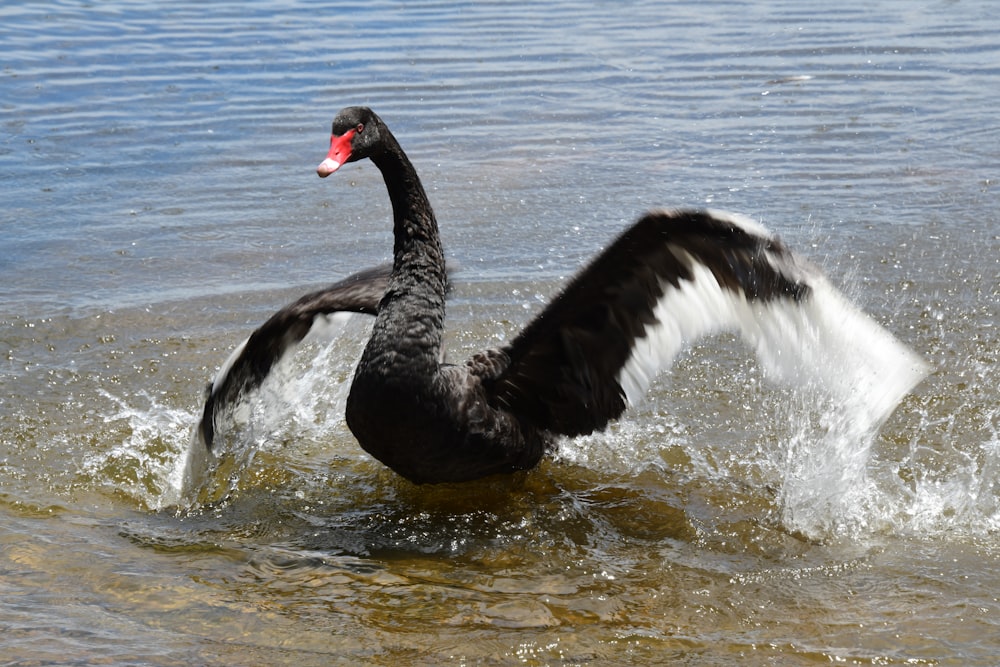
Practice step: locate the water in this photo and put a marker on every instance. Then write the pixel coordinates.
(160, 201)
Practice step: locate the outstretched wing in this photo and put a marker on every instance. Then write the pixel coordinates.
(253, 359)
(671, 278)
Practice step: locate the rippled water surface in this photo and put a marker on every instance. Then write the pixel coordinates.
(160, 200)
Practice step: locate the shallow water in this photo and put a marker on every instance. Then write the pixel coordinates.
(160, 200)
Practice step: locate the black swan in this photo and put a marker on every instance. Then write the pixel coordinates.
(670, 278)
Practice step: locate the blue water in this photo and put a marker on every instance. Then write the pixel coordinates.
(160, 200)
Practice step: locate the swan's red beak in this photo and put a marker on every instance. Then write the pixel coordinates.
(340, 151)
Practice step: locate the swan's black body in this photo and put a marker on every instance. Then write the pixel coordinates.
(571, 370)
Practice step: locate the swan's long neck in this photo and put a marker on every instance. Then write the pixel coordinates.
(407, 335)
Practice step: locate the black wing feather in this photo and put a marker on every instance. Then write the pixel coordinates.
(563, 368)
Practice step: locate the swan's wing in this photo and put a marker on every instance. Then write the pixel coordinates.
(671, 278)
(253, 359)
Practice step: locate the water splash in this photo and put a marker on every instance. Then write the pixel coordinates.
(302, 397)
(948, 482)
(849, 375)
(155, 440)
(824, 474)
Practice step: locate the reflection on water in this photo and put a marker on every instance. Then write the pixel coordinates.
(160, 201)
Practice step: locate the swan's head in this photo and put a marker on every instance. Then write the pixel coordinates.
(355, 135)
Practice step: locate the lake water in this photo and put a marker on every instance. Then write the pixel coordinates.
(160, 200)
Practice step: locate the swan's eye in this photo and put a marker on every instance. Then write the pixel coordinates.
(360, 128)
